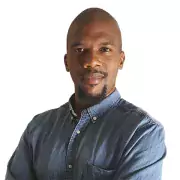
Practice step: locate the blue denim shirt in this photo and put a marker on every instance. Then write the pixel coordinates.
(113, 140)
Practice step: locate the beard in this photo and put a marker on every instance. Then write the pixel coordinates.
(92, 99)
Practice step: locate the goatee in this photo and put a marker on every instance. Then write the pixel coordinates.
(92, 99)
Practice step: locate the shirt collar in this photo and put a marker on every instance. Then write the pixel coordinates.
(71, 107)
(98, 109)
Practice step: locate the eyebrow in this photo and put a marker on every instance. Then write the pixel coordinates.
(104, 43)
(75, 44)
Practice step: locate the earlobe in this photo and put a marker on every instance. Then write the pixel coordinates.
(65, 63)
(122, 59)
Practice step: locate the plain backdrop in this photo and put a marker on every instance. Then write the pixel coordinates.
(33, 78)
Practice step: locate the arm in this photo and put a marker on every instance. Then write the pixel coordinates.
(142, 158)
(20, 164)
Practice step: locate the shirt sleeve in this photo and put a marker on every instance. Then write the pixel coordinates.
(143, 156)
(20, 164)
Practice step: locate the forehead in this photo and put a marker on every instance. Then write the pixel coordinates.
(96, 31)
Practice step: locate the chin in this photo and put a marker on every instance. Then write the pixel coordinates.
(92, 93)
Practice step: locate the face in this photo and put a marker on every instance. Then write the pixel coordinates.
(93, 58)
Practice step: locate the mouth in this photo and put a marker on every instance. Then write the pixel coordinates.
(92, 78)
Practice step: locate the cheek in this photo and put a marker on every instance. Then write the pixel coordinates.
(112, 67)
(74, 63)
(112, 74)
(74, 72)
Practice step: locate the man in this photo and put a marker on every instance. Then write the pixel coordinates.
(97, 135)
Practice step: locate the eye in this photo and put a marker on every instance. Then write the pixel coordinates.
(105, 49)
(79, 50)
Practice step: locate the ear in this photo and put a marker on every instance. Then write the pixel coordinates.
(66, 63)
(121, 60)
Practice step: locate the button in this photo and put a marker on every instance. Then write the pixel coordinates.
(94, 118)
(70, 166)
(78, 132)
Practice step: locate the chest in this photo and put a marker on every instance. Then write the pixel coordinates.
(86, 150)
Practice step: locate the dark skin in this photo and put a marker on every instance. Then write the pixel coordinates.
(93, 58)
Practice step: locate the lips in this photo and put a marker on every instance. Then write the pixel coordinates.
(92, 78)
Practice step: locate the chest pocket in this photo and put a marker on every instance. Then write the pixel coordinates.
(92, 172)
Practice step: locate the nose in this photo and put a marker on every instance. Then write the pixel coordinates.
(91, 60)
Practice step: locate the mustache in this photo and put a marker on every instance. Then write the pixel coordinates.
(93, 71)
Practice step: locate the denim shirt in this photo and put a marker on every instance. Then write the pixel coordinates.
(112, 140)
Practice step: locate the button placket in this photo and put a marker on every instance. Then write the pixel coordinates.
(70, 166)
(81, 123)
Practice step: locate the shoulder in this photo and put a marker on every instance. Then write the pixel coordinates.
(144, 129)
(135, 113)
(47, 118)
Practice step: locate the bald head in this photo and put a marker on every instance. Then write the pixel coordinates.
(93, 15)
(94, 47)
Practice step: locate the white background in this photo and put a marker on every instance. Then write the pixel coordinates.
(33, 78)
